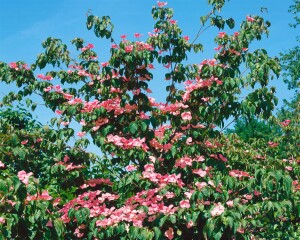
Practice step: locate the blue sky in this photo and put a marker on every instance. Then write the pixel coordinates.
(25, 24)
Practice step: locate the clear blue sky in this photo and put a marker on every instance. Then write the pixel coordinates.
(25, 24)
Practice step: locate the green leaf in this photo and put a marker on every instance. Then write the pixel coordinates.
(59, 227)
(133, 127)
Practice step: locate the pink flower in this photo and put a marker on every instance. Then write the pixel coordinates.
(169, 233)
(189, 141)
(45, 196)
(58, 112)
(123, 36)
(238, 173)
(114, 46)
(82, 122)
(229, 203)
(2, 165)
(152, 159)
(49, 224)
(64, 123)
(218, 210)
(2, 220)
(186, 38)
(104, 64)
(200, 172)
(184, 204)
(129, 48)
(201, 185)
(47, 89)
(130, 168)
(289, 168)
(161, 4)
(24, 177)
(272, 144)
(172, 21)
(285, 123)
(14, 65)
(190, 224)
(150, 66)
(137, 35)
(169, 195)
(187, 116)
(149, 167)
(222, 34)
(81, 134)
(250, 19)
(168, 65)
(24, 142)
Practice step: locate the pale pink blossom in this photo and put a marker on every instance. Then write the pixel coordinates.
(201, 185)
(169, 195)
(222, 34)
(58, 112)
(172, 21)
(82, 122)
(137, 35)
(64, 123)
(24, 142)
(2, 165)
(2, 220)
(229, 203)
(114, 46)
(285, 123)
(250, 19)
(289, 168)
(130, 168)
(190, 224)
(186, 38)
(47, 89)
(81, 134)
(218, 210)
(169, 233)
(161, 4)
(187, 116)
(184, 204)
(104, 64)
(129, 48)
(24, 177)
(200, 172)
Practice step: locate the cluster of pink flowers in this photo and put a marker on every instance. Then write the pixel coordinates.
(153, 201)
(161, 180)
(90, 200)
(238, 173)
(187, 161)
(159, 146)
(127, 143)
(44, 196)
(87, 47)
(95, 182)
(172, 108)
(18, 66)
(43, 77)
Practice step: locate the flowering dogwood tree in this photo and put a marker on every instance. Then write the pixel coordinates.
(166, 171)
